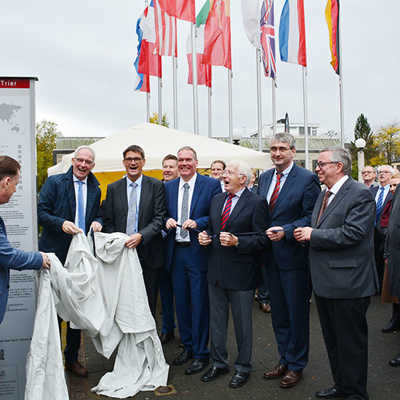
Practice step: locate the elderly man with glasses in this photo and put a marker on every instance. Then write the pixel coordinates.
(368, 174)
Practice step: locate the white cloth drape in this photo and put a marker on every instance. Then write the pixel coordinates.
(106, 296)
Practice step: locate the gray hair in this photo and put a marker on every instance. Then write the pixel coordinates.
(188, 148)
(340, 155)
(386, 166)
(85, 147)
(243, 169)
(284, 138)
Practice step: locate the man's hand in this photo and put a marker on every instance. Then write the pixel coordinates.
(171, 223)
(204, 238)
(96, 226)
(302, 234)
(275, 233)
(228, 239)
(189, 224)
(46, 260)
(70, 228)
(133, 241)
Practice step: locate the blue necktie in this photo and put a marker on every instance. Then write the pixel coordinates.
(379, 204)
(81, 208)
(131, 220)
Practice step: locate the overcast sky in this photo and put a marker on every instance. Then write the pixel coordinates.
(83, 53)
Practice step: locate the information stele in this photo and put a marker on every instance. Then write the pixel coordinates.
(17, 140)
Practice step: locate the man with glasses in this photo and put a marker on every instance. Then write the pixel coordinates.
(68, 204)
(340, 239)
(291, 192)
(382, 195)
(368, 174)
(135, 205)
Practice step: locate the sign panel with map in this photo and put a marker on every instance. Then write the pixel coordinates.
(17, 133)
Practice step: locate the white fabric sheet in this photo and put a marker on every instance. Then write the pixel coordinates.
(106, 297)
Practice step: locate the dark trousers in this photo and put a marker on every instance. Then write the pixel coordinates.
(151, 279)
(167, 302)
(290, 302)
(191, 302)
(345, 330)
(241, 302)
(379, 245)
(73, 340)
(263, 288)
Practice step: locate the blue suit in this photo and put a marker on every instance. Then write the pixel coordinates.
(57, 204)
(188, 266)
(14, 259)
(288, 269)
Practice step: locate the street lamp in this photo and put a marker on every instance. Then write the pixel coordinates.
(360, 144)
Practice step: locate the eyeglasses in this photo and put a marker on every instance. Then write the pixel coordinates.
(384, 172)
(82, 160)
(321, 164)
(135, 159)
(367, 172)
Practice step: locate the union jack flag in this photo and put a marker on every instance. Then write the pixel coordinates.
(267, 38)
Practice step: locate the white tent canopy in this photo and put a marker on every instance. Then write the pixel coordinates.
(158, 141)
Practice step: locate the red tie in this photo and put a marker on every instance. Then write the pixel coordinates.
(227, 211)
(324, 204)
(275, 193)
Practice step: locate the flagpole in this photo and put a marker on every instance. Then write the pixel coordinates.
(259, 105)
(194, 69)
(175, 91)
(230, 106)
(209, 112)
(148, 107)
(159, 100)
(305, 106)
(341, 83)
(273, 106)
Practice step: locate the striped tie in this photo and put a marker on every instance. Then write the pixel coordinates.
(379, 204)
(275, 193)
(227, 211)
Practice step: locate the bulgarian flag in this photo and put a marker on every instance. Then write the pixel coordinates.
(332, 19)
(203, 70)
(181, 9)
(217, 34)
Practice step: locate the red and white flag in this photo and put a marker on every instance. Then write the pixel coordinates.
(166, 32)
(181, 9)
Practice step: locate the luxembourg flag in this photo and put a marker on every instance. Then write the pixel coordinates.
(292, 33)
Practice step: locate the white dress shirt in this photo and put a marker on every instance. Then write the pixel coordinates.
(385, 193)
(181, 189)
(285, 173)
(84, 195)
(335, 188)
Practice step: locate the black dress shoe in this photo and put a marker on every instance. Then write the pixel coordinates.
(331, 393)
(213, 373)
(395, 362)
(167, 337)
(197, 366)
(392, 326)
(183, 357)
(239, 379)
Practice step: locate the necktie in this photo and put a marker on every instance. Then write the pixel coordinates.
(185, 209)
(227, 211)
(379, 204)
(275, 193)
(131, 220)
(324, 204)
(81, 207)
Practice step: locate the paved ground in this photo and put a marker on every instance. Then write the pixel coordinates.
(384, 381)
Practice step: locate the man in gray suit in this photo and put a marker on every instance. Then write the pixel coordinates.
(135, 205)
(341, 240)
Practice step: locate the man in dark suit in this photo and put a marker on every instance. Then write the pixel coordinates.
(135, 205)
(10, 257)
(343, 271)
(188, 201)
(69, 203)
(233, 268)
(291, 192)
(382, 195)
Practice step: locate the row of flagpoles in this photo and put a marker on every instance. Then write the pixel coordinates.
(210, 45)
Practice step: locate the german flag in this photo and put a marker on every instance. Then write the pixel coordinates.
(332, 19)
